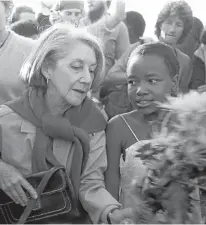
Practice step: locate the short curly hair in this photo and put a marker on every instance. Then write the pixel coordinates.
(178, 8)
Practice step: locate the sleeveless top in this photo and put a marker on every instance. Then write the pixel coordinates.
(132, 169)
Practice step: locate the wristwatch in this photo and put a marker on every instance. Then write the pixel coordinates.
(109, 215)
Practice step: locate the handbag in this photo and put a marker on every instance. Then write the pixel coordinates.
(56, 200)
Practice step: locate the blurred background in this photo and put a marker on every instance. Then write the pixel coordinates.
(148, 8)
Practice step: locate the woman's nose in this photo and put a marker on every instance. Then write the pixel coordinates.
(173, 27)
(86, 76)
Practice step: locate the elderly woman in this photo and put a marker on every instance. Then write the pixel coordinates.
(60, 71)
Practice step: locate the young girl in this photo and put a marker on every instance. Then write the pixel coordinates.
(152, 73)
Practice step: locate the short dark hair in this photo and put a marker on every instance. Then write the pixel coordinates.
(136, 22)
(162, 50)
(18, 10)
(182, 10)
(25, 28)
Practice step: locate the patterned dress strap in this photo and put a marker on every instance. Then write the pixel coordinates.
(129, 128)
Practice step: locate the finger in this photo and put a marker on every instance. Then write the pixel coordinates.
(11, 196)
(27, 186)
(21, 194)
(16, 196)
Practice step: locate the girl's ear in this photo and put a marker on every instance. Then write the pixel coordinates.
(175, 85)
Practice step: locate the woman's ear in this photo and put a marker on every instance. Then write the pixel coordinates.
(175, 85)
(45, 70)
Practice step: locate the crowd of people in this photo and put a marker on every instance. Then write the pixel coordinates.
(79, 77)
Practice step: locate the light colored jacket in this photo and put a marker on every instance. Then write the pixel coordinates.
(18, 136)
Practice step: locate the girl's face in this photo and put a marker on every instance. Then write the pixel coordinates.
(171, 30)
(72, 76)
(149, 82)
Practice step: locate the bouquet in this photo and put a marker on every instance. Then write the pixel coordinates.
(176, 162)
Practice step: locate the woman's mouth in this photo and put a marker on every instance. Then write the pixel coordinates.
(80, 91)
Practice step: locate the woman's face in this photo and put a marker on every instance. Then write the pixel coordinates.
(149, 82)
(73, 75)
(171, 30)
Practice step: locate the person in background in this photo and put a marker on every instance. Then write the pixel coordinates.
(136, 26)
(114, 34)
(26, 28)
(22, 13)
(43, 15)
(198, 80)
(192, 42)
(173, 25)
(67, 11)
(13, 51)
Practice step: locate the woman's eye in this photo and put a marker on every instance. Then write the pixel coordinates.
(179, 25)
(91, 71)
(77, 68)
(68, 13)
(168, 22)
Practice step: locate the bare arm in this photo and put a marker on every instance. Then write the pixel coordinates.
(122, 42)
(113, 147)
(117, 14)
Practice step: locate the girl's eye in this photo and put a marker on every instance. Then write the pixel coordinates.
(153, 81)
(131, 82)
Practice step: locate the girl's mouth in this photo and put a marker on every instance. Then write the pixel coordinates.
(143, 103)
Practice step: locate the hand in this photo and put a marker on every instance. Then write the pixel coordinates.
(14, 184)
(122, 216)
(201, 88)
(117, 9)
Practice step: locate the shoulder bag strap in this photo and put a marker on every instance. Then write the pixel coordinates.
(39, 191)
